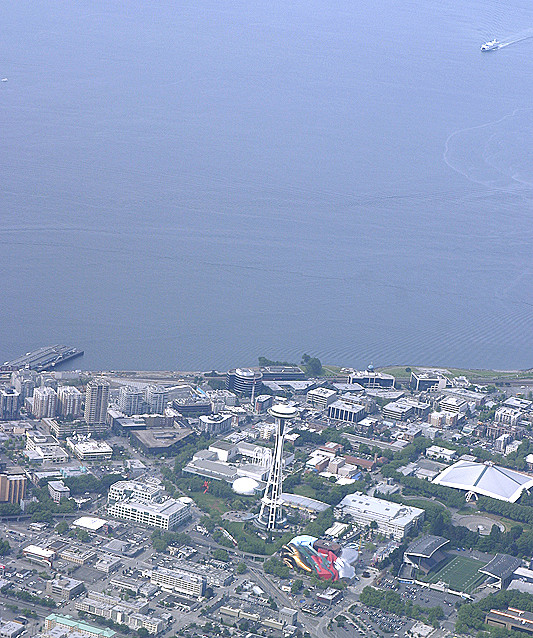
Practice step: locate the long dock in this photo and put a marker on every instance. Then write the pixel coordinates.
(44, 358)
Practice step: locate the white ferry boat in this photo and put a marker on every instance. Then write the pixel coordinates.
(491, 45)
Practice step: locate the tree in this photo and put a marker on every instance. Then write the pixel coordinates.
(143, 632)
(241, 568)
(221, 554)
(312, 365)
(62, 527)
(297, 586)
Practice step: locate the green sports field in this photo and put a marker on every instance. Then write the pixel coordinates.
(461, 574)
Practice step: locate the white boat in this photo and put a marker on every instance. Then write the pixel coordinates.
(4, 79)
(491, 45)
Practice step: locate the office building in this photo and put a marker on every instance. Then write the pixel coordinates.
(165, 515)
(62, 429)
(130, 400)
(64, 587)
(160, 440)
(179, 581)
(44, 402)
(12, 485)
(214, 577)
(215, 424)
(394, 520)
(399, 410)
(69, 401)
(96, 401)
(44, 448)
(90, 449)
(283, 373)
(371, 379)
(10, 628)
(193, 405)
(9, 404)
(511, 619)
(507, 415)
(71, 626)
(76, 555)
(454, 404)
(321, 398)
(244, 381)
(58, 491)
(39, 555)
(113, 608)
(427, 381)
(140, 491)
(263, 402)
(347, 411)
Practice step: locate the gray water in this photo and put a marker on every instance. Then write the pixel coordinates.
(193, 184)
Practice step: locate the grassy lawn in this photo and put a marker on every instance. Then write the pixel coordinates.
(461, 574)
(209, 503)
(331, 371)
(473, 374)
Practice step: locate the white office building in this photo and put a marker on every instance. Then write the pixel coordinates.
(90, 449)
(342, 410)
(140, 491)
(176, 580)
(321, 397)
(215, 424)
(165, 515)
(507, 415)
(393, 519)
(454, 404)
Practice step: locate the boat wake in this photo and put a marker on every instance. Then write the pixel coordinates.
(496, 155)
(515, 39)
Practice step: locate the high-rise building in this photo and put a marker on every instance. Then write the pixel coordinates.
(44, 402)
(9, 403)
(130, 400)
(24, 381)
(271, 514)
(157, 398)
(69, 401)
(12, 485)
(244, 381)
(96, 400)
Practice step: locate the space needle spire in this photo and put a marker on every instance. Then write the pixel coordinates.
(271, 514)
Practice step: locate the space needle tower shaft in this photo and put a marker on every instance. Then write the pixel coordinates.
(271, 514)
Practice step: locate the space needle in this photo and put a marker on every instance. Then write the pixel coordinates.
(271, 514)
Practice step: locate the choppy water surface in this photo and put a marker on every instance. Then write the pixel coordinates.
(190, 185)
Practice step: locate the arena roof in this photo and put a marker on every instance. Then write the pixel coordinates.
(426, 546)
(488, 480)
(502, 566)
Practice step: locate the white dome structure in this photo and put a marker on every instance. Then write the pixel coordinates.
(245, 486)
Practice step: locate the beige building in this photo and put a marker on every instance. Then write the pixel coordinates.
(12, 486)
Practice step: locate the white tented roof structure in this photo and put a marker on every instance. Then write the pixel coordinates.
(485, 479)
